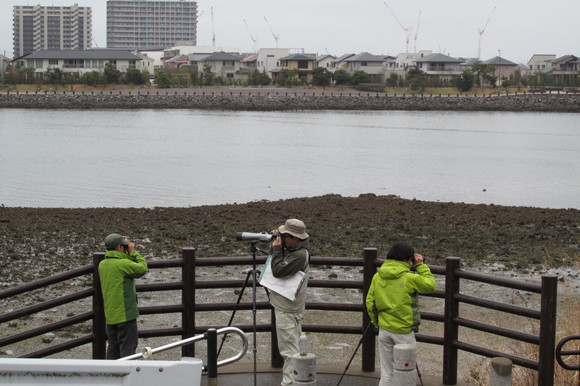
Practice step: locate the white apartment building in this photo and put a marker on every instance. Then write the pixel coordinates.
(51, 28)
(145, 24)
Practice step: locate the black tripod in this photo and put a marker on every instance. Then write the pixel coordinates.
(254, 274)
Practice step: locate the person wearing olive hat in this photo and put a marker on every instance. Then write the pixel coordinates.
(117, 273)
(290, 254)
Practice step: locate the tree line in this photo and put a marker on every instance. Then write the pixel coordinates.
(479, 75)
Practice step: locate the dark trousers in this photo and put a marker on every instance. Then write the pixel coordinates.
(122, 339)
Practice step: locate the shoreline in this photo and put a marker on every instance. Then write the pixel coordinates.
(259, 100)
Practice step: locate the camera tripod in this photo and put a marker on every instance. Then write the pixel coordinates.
(254, 274)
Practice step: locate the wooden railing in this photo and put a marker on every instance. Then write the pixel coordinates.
(449, 317)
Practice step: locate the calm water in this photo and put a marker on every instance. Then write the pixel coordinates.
(147, 158)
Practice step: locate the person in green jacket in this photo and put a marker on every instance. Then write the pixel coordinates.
(117, 273)
(392, 302)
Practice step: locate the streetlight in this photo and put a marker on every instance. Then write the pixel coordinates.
(498, 68)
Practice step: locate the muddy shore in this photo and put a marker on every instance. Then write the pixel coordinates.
(37, 242)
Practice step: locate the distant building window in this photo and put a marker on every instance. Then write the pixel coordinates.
(230, 75)
(132, 64)
(53, 62)
(303, 64)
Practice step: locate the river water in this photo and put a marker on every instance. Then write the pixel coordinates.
(148, 158)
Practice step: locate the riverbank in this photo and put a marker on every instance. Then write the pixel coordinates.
(288, 100)
(37, 242)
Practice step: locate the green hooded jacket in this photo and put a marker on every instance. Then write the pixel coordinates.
(390, 300)
(117, 274)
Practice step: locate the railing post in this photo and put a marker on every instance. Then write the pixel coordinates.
(368, 345)
(99, 323)
(451, 329)
(276, 360)
(188, 299)
(547, 344)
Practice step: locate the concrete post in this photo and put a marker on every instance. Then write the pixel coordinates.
(500, 372)
(404, 373)
(304, 369)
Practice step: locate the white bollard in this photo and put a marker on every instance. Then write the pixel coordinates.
(500, 372)
(304, 369)
(404, 373)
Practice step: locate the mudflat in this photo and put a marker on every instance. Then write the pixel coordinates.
(37, 242)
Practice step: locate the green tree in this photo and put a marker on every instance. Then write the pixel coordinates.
(53, 76)
(322, 77)
(162, 79)
(484, 73)
(134, 76)
(92, 78)
(341, 77)
(111, 74)
(417, 79)
(393, 80)
(359, 77)
(208, 76)
(466, 80)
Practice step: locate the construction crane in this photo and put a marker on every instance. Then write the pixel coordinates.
(254, 40)
(481, 31)
(276, 37)
(212, 29)
(416, 33)
(407, 30)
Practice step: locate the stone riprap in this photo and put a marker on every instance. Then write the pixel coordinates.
(284, 101)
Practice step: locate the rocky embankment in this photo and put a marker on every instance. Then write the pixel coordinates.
(288, 101)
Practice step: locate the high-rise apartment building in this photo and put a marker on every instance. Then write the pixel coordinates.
(51, 28)
(141, 24)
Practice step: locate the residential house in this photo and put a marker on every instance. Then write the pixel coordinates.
(269, 58)
(222, 64)
(301, 65)
(440, 66)
(83, 61)
(504, 69)
(325, 61)
(248, 65)
(339, 63)
(4, 63)
(407, 61)
(565, 68)
(540, 62)
(373, 65)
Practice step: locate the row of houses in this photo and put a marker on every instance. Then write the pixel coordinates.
(229, 64)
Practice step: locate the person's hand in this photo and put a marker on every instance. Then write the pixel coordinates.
(131, 247)
(418, 259)
(277, 241)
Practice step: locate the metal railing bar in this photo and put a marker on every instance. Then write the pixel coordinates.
(40, 283)
(497, 330)
(54, 349)
(524, 362)
(166, 309)
(154, 287)
(509, 308)
(46, 305)
(46, 328)
(499, 281)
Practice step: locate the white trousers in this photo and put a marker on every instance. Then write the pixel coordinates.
(288, 329)
(387, 341)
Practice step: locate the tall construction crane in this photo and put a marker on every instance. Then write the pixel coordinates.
(481, 31)
(254, 40)
(407, 30)
(276, 37)
(416, 33)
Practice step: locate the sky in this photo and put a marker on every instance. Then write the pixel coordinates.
(516, 29)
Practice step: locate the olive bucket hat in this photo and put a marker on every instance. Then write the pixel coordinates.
(113, 240)
(294, 227)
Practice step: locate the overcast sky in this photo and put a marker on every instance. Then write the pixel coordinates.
(517, 28)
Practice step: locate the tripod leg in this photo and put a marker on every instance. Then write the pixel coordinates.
(354, 353)
(234, 311)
